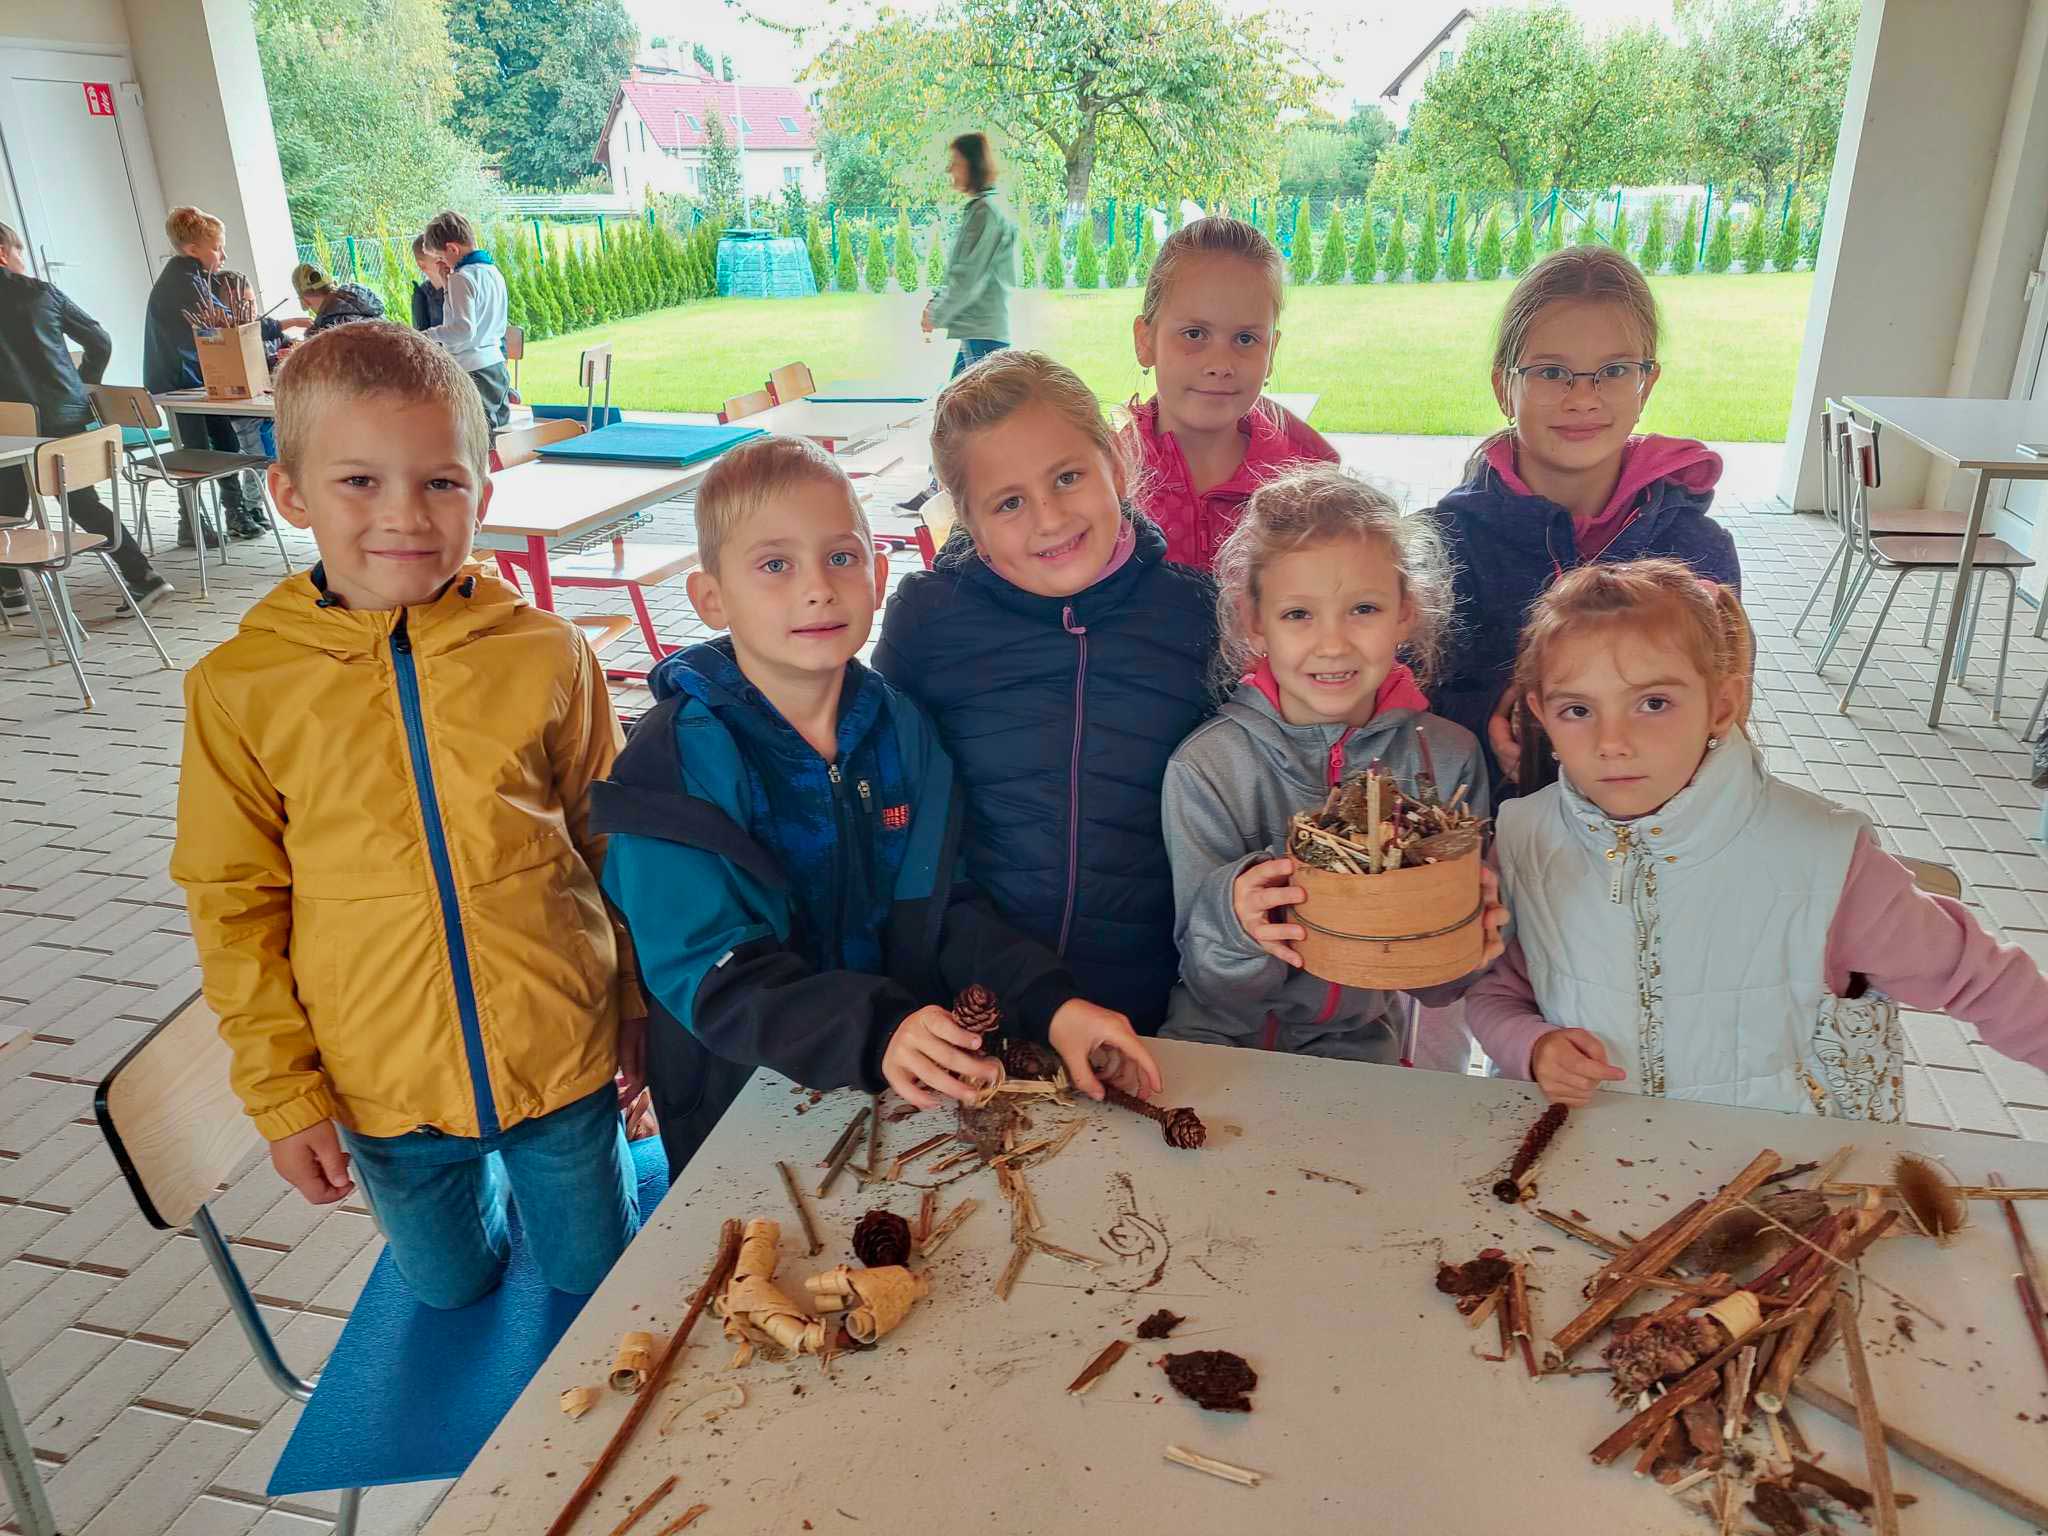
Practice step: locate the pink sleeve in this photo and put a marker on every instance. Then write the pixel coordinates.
(1931, 954)
(1501, 1012)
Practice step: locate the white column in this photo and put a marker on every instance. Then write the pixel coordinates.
(1913, 181)
(209, 120)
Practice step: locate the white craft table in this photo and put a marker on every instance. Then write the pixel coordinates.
(1371, 1413)
(830, 424)
(541, 505)
(19, 450)
(197, 402)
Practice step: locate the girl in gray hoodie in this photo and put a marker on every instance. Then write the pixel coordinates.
(1323, 587)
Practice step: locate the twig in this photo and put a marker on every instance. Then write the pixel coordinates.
(2030, 1303)
(1910, 1305)
(1222, 1469)
(1838, 1488)
(1689, 1388)
(945, 1229)
(1735, 1405)
(1487, 1303)
(839, 1145)
(1019, 1252)
(721, 1270)
(1518, 1313)
(1004, 1159)
(2027, 1508)
(2030, 1284)
(1885, 1514)
(927, 1207)
(1580, 1230)
(1054, 1250)
(1331, 1178)
(1806, 1318)
(841, 1153)
(896, 1164)
(958, 1157)
(1654, 1448)
(1967, 1191)
(683, 1521)
(1630, 1258)
(1097, 1368)
(874, 1133)
(644, 1505)
(1786, 1175)
(803, 1212)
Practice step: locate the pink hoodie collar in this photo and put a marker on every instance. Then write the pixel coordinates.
(1399, 690)
(1644, 461)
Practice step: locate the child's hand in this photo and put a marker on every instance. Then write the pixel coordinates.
(1569, 1065)
(314, 1163)
(1493, 917)
(632, 1059)
(929, 1050)
(1500, 734)
(1098, 1043)
(1253, 896)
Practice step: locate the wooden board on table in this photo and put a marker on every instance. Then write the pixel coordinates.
(1372, 1411)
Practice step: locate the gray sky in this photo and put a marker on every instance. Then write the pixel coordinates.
(1361, 43)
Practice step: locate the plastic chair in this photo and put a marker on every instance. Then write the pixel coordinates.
(523, 445)
(594, 367)
(62, 466)
(792, 381)
(1905, 555)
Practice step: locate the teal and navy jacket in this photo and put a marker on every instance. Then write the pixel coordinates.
(790, 913)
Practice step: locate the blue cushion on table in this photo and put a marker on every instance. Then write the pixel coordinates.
(603, 415)
(410, 1394)
(649, 442)
(135, 437)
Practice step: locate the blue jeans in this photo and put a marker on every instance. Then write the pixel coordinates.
(972, 352)
(441, 1199)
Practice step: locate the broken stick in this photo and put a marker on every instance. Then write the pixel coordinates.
(945, 1229)
(803, 1213)
(683, 1521)
(1019, 1252)
(897, 1163)
(1222, 1469)
(841, 1151)
(1097, 1368)
(644, 1505)
(1885, 1513)
(2027, 1508)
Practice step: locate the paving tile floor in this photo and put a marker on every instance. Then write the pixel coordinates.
(145, 1411)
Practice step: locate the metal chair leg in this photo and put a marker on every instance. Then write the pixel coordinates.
(35, 613)
(347, 1510)
(53, 586)
(243, 1305)
(276, 531)
(1857, 587)
(189, 501)
(134, 606)
(1934, 607)
(1871, 645)
(2012, 601)
(1826, 577)
(2033, 720)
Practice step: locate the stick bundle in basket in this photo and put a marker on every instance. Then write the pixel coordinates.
(1369, 825)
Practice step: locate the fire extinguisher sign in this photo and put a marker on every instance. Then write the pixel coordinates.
(99, 100)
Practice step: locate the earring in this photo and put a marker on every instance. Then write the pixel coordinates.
(1713, 742)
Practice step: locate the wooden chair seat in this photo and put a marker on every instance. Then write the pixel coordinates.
(1919, 521)
(1938, 552)
(603, 629)
(197, 464)
(1935, 879)
(625, 563)
(37, 546)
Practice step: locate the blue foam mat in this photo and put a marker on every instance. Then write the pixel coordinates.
(867, 399)
(410, 1394)
(649, 442)
(593, 416)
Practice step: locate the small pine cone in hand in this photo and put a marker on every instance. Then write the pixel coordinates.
(1184, 1129)
(976, 1009)
(1029, 1059)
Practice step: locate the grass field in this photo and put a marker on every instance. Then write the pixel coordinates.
(1389, 358)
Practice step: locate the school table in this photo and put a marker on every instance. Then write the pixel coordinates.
(831, 423)
(1371, 1412)
(539, 506)
(196, 402)
(1983, 437)
(19, 450)
(879, 391)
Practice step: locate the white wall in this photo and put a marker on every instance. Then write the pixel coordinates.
(73, 24)
(1912, 191)
(636, 171)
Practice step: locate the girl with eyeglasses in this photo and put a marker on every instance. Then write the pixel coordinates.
(1566, 482)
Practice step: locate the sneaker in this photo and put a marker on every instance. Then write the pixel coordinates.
(186, 540)
(147, 596)
(244, 528)
(916, 503)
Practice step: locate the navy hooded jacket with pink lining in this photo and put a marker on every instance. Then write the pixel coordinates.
(1508, 544)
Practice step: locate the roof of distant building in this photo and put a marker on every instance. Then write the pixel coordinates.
(1458, 18)
(675, 108)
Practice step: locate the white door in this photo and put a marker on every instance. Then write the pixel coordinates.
(85, 188)
(2020, 517)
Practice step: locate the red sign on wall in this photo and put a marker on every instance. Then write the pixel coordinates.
(99, 100)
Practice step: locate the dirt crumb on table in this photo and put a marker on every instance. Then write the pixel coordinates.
(1215, 1379)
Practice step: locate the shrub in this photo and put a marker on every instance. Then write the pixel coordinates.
(1789, 237)
(1054, 267)
(935, 258)
(1685, 256)
(1721, 249)
(1116, 261)
(1756, 240)
(875, 270)
(1087, 266)
(1365, 253)
(1490, 258)
(1553, 226)
(814, 247)
(1651, 258)
(1301, 250)
(1397, 246)
(1589, 226)
(846, 276)
(1428, 255)
(1619, 234)
(1457, 258)
(1522, 250)
(1335, 260)
(906, 253)
(1148, 243)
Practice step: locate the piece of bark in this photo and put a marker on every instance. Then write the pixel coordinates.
(1097, 1368)
(643, 1506)
(1222, 1469)
(683, 1521)
(1160, 1324)
(947, 1226)
(803, 1212)
(635, 1358)
(1019, 1252)
(1214, 1379)
(1702, 1422)
(578, 1401)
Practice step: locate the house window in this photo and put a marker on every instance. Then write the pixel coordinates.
(643, 138)
(792, 175)
(742, 122)
(788, 124)
(1443, 59)
(695, 126)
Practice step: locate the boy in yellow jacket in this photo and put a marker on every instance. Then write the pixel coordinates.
(383, 839)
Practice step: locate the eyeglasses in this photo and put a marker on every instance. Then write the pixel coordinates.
(1549, 383)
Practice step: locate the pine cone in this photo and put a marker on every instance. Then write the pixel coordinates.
(881, 1238)
(1184, 1129)
(976, 1009)
(1029, 1059)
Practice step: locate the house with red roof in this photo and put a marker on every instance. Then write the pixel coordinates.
(654, 136)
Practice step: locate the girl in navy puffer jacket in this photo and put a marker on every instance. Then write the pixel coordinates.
(1062, 659)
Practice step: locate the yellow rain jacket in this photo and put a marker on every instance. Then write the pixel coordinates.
(383, 840)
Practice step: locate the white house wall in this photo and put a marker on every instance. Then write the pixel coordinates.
(636, 171)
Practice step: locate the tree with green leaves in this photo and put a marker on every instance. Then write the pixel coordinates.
(1522, 249)
(814, 247)
(1116, 258)
(846, 272)
(876, 268)
(1786, 256)
(1619, 234)
(1589, 226)
(1270, 226)
(935, 257)
(1027, 251)
(536, 80)
(1686, 254)
(1336, 258)
(1301, 251)
(1491, 257)
(1458, 250)
(720, 178)
(1396, 262)
(1428, 253)
(1148, 243)
(1115, 91)
(1365, 251)
(1087, 263)
(1054, 267)
(1721, 247)
(1756, 240)
(906, 253)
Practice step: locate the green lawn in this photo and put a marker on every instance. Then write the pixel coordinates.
(1389, 358)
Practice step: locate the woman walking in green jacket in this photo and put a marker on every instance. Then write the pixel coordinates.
(974, 306)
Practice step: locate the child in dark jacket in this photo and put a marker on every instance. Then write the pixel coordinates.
(784, 831)
(1208, 438)
(1566, 484)
(1063, 659)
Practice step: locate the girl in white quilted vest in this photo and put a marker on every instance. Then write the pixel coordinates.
(1685, 924)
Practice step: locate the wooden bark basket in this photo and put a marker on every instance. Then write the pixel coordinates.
(1418, 926)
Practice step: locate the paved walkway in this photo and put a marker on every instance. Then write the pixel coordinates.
(142, 1405)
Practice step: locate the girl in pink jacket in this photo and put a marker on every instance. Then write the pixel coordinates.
(1208, 439)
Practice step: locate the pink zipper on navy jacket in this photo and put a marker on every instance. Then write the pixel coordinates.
(1335, 776)
(1080, 634)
